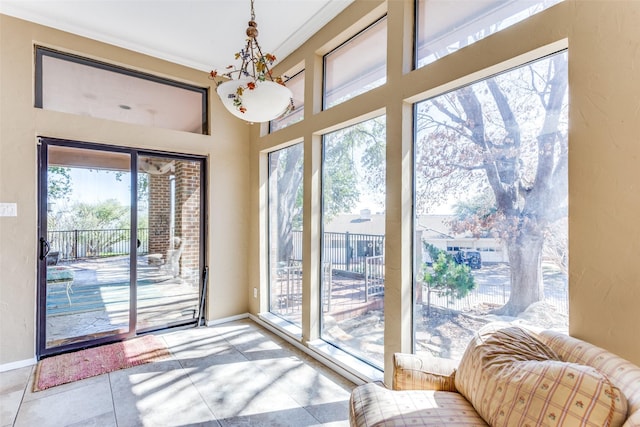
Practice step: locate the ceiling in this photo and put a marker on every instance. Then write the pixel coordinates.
(202, 34)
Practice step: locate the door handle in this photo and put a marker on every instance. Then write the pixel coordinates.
(44, 248)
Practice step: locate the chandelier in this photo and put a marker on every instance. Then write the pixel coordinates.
(251, 92)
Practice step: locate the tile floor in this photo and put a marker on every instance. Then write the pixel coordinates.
(235, 374)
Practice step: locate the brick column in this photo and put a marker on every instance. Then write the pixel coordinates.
(187, 174)
(159, 213)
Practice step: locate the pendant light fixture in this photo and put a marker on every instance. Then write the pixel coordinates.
(251, 92)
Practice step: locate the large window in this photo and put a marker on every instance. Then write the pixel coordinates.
(357, 66)
(353, 205)
(285, 233)
(296, 85)
(75, 85)
(491, 201)
(446, 26)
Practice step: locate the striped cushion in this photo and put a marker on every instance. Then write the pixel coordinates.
(512, 378)
(373, 405)
(413, 372)
(624, 374)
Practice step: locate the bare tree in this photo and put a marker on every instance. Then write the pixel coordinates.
(506, 137)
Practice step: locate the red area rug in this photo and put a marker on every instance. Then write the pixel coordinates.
(69, 367)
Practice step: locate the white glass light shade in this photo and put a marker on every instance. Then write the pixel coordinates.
(267, 101)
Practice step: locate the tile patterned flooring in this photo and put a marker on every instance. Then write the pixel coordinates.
(234, 374)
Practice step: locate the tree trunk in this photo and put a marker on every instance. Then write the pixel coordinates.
(525, 259)
(286, 186)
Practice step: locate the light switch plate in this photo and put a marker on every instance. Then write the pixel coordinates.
(8, 209)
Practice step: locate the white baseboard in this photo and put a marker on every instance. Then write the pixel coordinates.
(227, 319)
(16, 365)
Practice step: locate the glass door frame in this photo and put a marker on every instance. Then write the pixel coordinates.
(41, 290)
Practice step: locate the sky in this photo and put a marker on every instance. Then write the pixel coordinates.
(92, 186)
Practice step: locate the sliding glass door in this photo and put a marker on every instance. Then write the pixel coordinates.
(170, 238)
(120, 243)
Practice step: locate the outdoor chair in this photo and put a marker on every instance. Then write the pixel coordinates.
(171, 261)
(53, 257)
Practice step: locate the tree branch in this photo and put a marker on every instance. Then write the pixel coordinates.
(473, 110)
(548, 137)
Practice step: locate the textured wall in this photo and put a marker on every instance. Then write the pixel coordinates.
(21, 124)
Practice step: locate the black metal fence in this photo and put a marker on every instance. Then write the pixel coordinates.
(79, 244)
(373, 276)
(346, 251)
(492, 295)
(286, 290)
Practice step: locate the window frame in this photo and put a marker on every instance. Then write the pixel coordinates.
(297, 109)
(41, 51)
(353, 353)
(537, 55)
(417, 27)
(270, 217)
(349, 40)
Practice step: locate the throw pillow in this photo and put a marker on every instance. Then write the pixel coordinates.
(512, 378)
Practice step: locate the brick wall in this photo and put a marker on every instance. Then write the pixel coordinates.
(188, 215)
(159, 213)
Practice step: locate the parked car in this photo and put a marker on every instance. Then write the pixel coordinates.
(471, 258)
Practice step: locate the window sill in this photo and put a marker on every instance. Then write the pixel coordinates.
(334, 358)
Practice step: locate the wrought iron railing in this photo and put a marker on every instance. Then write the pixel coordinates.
(373, 276)
(491, 295)
(346, 251)
(79, 244)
